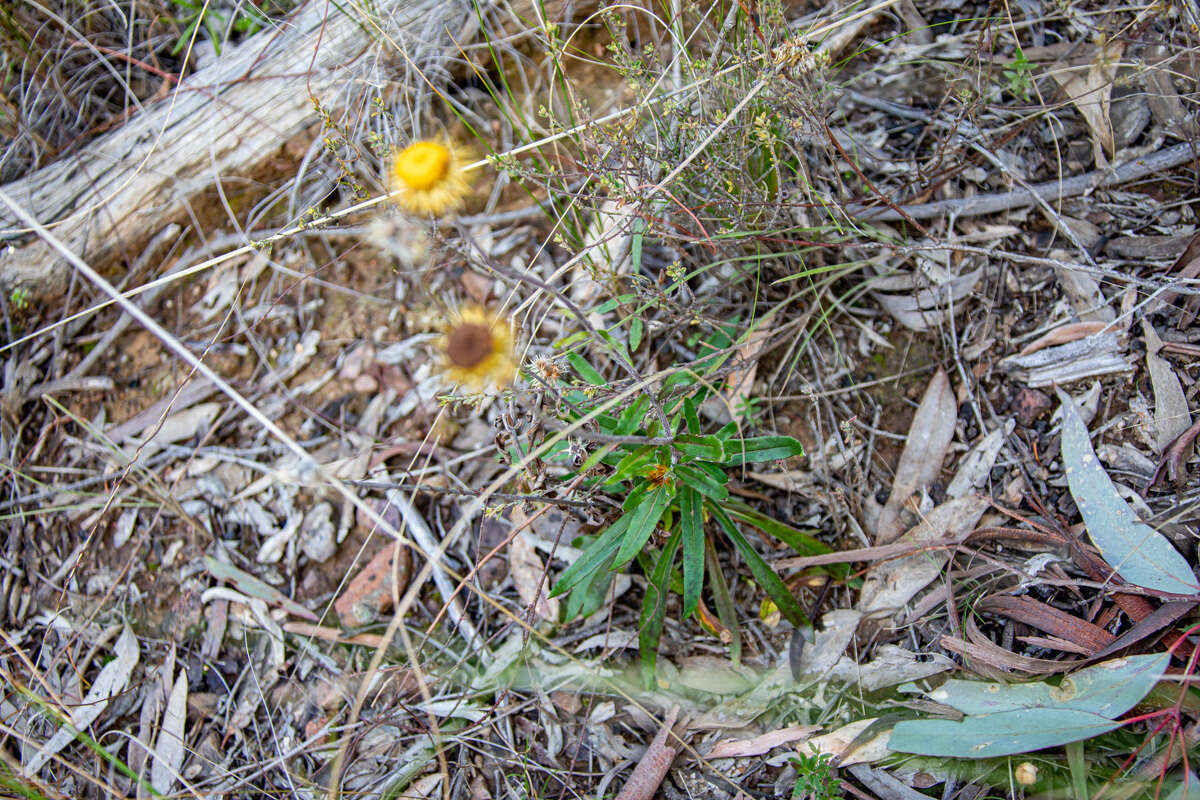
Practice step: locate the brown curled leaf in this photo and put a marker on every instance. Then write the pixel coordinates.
(1173, 456)
(1056, 622)
(1158, 619)
(1063, 334)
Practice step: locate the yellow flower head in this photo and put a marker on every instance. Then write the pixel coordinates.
(477, 350)
(427, 178)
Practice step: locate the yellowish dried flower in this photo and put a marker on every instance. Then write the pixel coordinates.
(659, 476)
(547, 369)
(477, 350)
(427, 177)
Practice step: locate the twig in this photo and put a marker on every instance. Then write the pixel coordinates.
(612, 438)
(72, 383)
(424, 538)
(1049, 191)
(516, 498)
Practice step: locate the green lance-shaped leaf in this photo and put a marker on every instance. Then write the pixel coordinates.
(692, 476)
(766, 577)
(593, 556)
(691, 523)
(761, 448)
(588, 595)
(654, 607)
(585, 370)
(641, 525)
(709, 448)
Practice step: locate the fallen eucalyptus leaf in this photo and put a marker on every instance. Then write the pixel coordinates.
(1139, 554)
(1003, 719)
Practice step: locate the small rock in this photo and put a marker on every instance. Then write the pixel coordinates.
(318, 538)
(1029, 404)
(366, 384)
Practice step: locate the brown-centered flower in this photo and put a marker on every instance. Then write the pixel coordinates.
(477, 349)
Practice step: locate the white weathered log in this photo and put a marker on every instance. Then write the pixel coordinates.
(223, 120)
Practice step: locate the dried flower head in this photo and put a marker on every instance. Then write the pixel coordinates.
(547, 369)
(477, 349)
(659, 476)
(427, 178)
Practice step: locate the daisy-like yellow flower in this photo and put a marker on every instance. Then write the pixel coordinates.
(477, 350)
(427, 178)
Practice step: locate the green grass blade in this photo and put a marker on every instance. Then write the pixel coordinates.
(1078, 768)
(803, 543)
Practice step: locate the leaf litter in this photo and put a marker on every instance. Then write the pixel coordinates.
(943, 523)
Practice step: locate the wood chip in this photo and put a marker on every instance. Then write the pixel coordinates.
(649, 773)
(1100, 354)
(384, 577)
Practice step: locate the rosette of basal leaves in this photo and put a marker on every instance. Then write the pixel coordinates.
(676, 508)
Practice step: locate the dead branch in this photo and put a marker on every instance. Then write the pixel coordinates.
(108, 199)
(1049, 191)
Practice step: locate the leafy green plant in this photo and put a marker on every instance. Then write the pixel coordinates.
(1019, 76)
(674, 481)
(814, 777)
